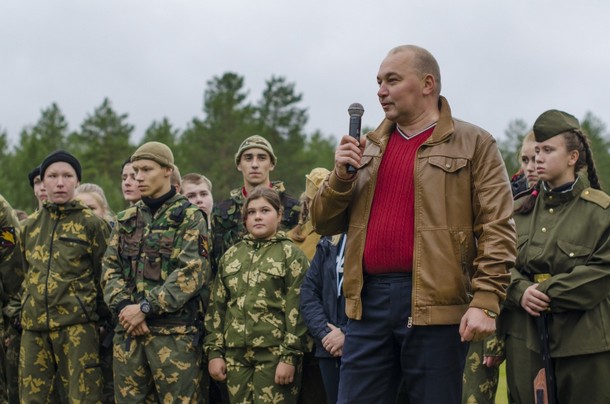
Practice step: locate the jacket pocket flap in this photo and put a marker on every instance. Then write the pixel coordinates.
(573, 250)
(447, 164)
(272, 270)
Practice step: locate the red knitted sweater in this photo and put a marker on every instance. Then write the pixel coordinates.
(389, 236)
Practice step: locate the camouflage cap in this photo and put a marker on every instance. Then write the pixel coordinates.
(552, 123)
(313, 180)
(154, 151)
(252, 142)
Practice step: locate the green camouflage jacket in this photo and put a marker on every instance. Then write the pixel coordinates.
(11, 268)
(255, 299)
(228, 225)
(163, 259)
(63, 246)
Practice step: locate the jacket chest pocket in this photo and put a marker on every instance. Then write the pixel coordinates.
(449, 165)
(75, 251)
(129, 239)
(157, 252)
(272, 278)
(573, 254)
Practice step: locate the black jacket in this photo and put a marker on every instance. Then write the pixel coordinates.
(320, 303)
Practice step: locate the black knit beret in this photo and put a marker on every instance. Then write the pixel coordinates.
(63, 156)
(33, 174)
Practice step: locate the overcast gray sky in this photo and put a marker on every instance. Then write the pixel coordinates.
(500, 60)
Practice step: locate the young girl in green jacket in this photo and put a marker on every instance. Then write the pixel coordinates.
(255, 334)
(559, 297)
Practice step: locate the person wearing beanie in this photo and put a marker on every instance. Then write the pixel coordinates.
(255, 160)
(154, 270)
(37, 185)
(63, 157)
(558, 299)
(64, 243)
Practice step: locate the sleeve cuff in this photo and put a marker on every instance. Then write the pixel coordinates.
(122, 304)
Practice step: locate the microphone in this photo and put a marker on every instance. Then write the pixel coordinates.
(355, 112)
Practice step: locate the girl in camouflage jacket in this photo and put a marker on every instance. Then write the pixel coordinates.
(255, 334)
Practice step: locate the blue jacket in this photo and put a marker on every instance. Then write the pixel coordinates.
(320, 303)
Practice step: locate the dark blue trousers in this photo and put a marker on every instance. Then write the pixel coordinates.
(380, 349)
(329, 367)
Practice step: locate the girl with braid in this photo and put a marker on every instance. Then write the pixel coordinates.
(562, 272)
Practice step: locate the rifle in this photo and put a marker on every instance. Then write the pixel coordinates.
(545, 389)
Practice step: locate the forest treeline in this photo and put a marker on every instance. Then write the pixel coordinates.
(104, 140)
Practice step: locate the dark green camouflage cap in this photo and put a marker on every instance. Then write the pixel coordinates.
(258, 142)
(552, 123)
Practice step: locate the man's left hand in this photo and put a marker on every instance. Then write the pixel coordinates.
(476, 325)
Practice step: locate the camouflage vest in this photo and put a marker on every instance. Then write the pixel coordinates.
(147, 244)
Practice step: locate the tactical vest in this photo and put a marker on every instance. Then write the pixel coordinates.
(149, 253)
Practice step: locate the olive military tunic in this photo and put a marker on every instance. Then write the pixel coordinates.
(565, 240)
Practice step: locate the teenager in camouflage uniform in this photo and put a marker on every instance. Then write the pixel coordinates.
(255, 160)
(61, 305)
(11, 276)
(154, 269)
(255, 334)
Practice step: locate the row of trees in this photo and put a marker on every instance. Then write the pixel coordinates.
(207, 145)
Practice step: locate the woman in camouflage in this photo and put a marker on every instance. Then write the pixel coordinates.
(255, 334)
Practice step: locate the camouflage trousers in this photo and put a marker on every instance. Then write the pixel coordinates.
(251, 377)
(480, 382)
(12, 338)
(71, 352)
(153, 368)
(3, 386)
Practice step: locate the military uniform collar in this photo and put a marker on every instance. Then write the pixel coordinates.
(279, 236)
(563, 194)
(239, 194)
(72, 205)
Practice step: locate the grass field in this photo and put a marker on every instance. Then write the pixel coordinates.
(501, 397)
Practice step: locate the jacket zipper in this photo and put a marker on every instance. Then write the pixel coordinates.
(46, 289)
(256, 248)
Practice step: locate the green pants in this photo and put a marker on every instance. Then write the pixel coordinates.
(579, 379)
(71, 352)
(522, 365)
(251, 377)
(480, 382)
(13, 339)
(148, 368)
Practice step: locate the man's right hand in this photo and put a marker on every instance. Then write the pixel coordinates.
(349, 152)
(218, 369)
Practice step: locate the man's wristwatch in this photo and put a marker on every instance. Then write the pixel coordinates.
(490, 313)
(145, 307)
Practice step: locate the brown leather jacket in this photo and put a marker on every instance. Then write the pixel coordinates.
(465, 238)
